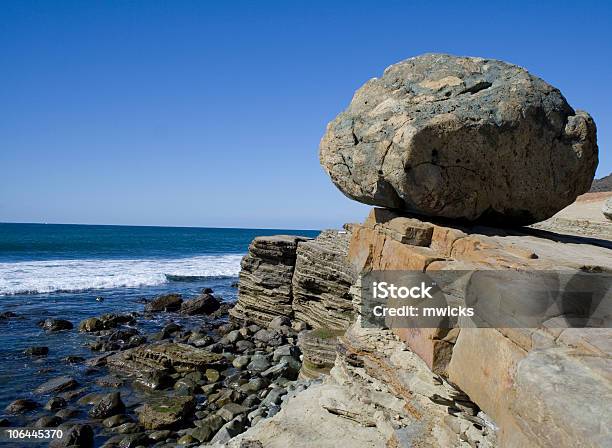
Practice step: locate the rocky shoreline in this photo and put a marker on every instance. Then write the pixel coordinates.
(183, 385)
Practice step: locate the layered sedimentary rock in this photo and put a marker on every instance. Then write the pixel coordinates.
(521, 377)
(460, 137)
(321, 281)
(319, 351)
(264, 290)
(378, 395)
(296, 277)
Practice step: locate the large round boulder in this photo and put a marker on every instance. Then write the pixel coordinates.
(462, 138)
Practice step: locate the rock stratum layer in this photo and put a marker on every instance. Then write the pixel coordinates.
(460, 137)
(290, 276)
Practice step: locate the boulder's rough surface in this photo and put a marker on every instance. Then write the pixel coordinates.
(321, 281)
(264, 290)
(460, 137)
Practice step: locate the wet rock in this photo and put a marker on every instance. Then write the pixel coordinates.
(76, 436)
(116, 420)
(55, 385)
(134, 440)
(55, 403)
(109, 404)
(161, 435)
(162, 356)
(4, 423)
(128, 428)
(73, 359)
(205, 304)
(52, 325)
(154, 380)
(167, 302)
(90, 325)
(67, 413)
(47, 421)
(20, 406)
(6, 315)
(166, 413)
(36, 351)
(184, 386)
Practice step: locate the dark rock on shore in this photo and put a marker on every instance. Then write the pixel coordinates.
(36, 351)
(166, 413)
(460, 137)
(76, 436)
(205, 304)
(56, 325)
(168, 302)
(20, 406)
(109, 405)
(59, 384)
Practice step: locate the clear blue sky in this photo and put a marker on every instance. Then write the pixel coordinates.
(210, 113)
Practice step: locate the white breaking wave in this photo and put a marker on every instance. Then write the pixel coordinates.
(30, 277)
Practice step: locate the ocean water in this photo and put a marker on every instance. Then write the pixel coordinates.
(60, 271)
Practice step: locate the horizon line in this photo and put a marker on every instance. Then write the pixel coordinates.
(156, 225)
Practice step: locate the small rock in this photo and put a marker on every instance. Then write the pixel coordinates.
(258, 363)
(207, 428)
(298, 325)
(205, 304)
(212, 375)
(134, 440)
(67, 413)
(168, 302)
(166, 413)
(58, 384)
(229, 430)
(56, 325)
(240, 362)
(116, 420)
(161, 435)
(90, 325)
(231, 410)
(20, 406)
(48, 421)
(77, 436)
(278, 322)
(109, 405)
(187, 439)
(36, 351)
(55, 403)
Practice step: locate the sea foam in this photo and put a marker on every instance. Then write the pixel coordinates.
(32, 277)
